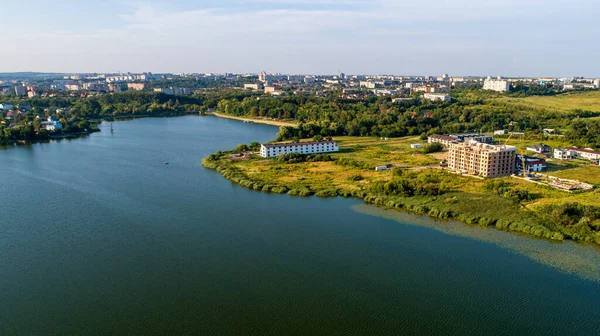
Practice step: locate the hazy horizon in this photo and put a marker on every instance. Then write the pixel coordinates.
(533, 38)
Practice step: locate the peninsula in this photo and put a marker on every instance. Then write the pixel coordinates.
(409, 174)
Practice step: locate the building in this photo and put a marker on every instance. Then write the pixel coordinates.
(449, 139)
(564, 154)
(114, 88)
(585, 153)
(254, 87)
(368, 85)
(312, 147)
(6, 106)
(496, 85)
(53, 126)
(396, 100)
(72, 87)
(137, 86)
(481, 159)
(174, 91)
(597, 83)
(445, 140)
(21, 90)
(437, 97)
(533, 164)
(500, 132)
(539, 148)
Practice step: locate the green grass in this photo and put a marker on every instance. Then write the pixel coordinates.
(587, 101)
(351, 173)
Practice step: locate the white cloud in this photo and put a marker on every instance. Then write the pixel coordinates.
(305, 36)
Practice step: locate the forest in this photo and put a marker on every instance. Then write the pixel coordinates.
(469, 110)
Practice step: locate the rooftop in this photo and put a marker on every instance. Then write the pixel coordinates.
(291, 144)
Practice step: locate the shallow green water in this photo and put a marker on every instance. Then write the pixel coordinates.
(99, 237)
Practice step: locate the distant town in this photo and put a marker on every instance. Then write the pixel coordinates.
(352, 86)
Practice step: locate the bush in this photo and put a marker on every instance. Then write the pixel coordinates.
(432, 148)
(327, 193)
(356, 177)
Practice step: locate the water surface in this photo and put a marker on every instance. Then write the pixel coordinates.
(99, 237)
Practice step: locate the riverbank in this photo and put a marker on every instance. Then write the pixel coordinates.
(257, 121)
(413, 185)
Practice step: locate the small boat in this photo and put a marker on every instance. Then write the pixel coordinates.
(166, 162)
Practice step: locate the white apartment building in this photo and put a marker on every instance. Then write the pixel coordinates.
(496, 85)
(437, 97)
(312, 147)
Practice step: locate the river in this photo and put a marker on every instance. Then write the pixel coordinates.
(98, 236)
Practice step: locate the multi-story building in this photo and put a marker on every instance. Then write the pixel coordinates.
(447, 140)
(174, 91)
(20, 90)
(564, 154)
(137, 86)
(496, 85)
(312, 147)
(254, 87)
(114, 88)
(485, 160)
(437, 97)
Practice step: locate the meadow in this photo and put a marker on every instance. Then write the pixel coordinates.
(506, 203)
(586, 101)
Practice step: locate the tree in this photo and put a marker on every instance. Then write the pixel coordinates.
(318, 137)
(241, 148)
(37, 124)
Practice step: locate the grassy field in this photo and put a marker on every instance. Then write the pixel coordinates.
(587, 101)
(351, 172)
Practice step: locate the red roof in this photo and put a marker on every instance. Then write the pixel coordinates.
(583, 150)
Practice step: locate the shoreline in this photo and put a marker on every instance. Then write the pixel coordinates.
(256, 121)
(454, 205)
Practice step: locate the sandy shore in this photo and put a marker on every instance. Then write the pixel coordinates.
(258, 121)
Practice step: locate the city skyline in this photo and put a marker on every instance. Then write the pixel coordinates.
(510, 38)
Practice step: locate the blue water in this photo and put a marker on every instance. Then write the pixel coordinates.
(99, 237)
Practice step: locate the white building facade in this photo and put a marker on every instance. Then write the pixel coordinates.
(313, 147)
(496, 85)
(437, 97)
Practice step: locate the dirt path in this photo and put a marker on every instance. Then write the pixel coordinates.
(258, 121)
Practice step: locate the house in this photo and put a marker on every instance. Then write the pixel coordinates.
(539, 148)
(311, 147)
(416, 146)
(500, 132)
(586, 153)
(55, 126)
(6, 106)
(564, 154)
(533, 164)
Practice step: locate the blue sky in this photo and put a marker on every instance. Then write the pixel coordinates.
(460, 37)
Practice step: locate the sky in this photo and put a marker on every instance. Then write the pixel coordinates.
(458, 37)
